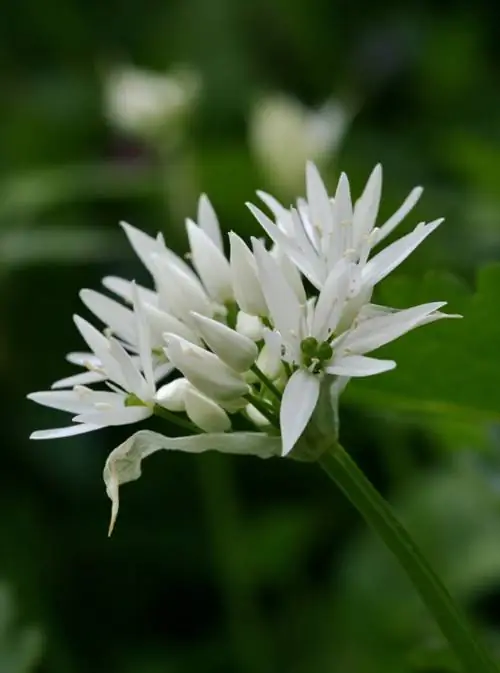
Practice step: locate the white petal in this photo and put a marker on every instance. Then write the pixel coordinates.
(299, 401)
(161, 322)
(269, 360)
(249, 325)
(403, 210)
(306, 261)
(318, 200)
(367, 207)
(246, 285)
(98, 343)
(205, 370)
(331, 301)
(64, 400)
(124, 463)
(113, 314)
(282, 215)
(391, 257)
(206, 413)
(172, 395)
(342, 201)
(70, 431)
(233, 348)
(208, 221)
(281, 299)
(210, 263)
(146, 247)
(291, 273)
(83, 379)
(123, 416)
(123, 288)
(143, 341)
(380, 330)
(134, 381)
(359, 365)
(180, 294)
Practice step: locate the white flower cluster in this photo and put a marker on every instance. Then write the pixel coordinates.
(241, 335)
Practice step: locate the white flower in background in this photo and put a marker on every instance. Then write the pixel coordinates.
(312, 347)
(144, 102)
(284, 134)
(321, 231)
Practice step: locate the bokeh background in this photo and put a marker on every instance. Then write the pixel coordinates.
(113, 111)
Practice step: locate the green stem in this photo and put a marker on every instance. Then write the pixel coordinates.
(176, 420)
(266, 381)
(342, 469)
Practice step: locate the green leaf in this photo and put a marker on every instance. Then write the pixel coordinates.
(450, 368)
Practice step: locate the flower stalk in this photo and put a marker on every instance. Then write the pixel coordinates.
(342, 469)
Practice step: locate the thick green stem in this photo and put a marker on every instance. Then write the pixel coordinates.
(342, 469)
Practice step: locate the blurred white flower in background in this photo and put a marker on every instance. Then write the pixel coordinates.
(142, 102)
(284, 134)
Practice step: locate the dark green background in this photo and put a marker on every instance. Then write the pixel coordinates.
(222, 565)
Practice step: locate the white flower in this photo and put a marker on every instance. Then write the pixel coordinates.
(143, 102)
(321, 231)
(132, 394)
(311, 346)
(284, 134)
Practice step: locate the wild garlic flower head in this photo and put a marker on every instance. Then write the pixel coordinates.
(241, 336)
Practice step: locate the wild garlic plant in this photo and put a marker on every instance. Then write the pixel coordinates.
(219, 337)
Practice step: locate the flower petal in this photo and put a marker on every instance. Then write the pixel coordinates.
(367, 206)
(124, 463)
(237, 351)
(318, 201)
(123, 288)
(246, 285)
(403, 210)
(83, 379)
(299, 401)
(205, 413)
(70, 431)
(205, 370)
(391, 257)
(359, 365)
(380, 330)
(106, 417)
(113, 314)
(208, 221)
(281, 299)
(210, 263)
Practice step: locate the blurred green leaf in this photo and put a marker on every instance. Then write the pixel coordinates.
(450, 368)
(20, 646)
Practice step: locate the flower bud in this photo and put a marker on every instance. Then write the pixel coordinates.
(204, 412)
(246, 285)
(205, 370)
(236, 350)
(172, 395)
(250, 326)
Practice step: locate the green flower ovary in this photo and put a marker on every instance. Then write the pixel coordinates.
(133, 401)
(315, 353)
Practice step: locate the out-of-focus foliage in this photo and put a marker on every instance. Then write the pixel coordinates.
(240, 565)
(20, 646)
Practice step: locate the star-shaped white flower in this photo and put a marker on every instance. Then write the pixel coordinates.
(308, 339)
(322, 230)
